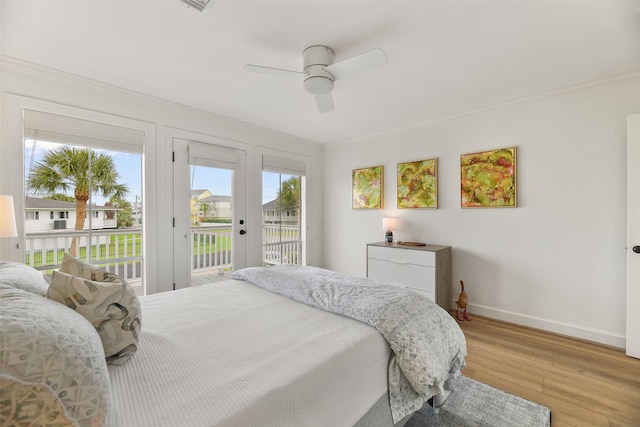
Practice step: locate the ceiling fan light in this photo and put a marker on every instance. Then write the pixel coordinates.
(318, 85)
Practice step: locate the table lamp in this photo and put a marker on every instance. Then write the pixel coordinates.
(7, 217)
(388, 225)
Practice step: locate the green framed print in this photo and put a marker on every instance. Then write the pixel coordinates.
(488, 179)
(368, 188)
(418, 184)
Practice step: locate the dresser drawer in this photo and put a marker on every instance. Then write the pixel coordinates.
(407, 256)
(410, 275)
(425, 270)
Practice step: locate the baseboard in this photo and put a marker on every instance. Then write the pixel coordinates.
(567, 329)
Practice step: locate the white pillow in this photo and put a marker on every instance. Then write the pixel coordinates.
(22, 276)
(108, 302)
(49, 354)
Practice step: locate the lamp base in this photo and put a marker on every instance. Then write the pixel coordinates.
(388, 237)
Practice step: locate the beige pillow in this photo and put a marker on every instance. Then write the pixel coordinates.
(73, 266)
(107, 301)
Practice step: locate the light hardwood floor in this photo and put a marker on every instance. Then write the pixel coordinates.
(584, 384)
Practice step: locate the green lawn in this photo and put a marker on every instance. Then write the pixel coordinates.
(133, 245)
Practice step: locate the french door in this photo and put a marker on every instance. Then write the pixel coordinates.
(209, 212)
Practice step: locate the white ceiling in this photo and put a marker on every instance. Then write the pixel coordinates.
(445, 57)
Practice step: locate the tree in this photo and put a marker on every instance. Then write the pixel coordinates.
(125, 216)
(67, 168)
(204, 207)
(62, 197)
(289, 196)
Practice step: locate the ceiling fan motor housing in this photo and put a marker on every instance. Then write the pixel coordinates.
(314, 59)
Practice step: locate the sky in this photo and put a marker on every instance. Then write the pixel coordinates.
(129, 167)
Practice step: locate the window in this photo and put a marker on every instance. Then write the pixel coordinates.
(33, 215)
(107, 157)
(282, 210)
(51, 215)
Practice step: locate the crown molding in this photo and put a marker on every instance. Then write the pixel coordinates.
(612, 79)
(37, 70)
(63, 77)
(84, 83)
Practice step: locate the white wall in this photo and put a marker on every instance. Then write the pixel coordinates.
(35, 85)
(556, 262)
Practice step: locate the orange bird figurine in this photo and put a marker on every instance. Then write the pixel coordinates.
(462, 304)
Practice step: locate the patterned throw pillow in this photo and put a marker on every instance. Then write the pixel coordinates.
(73, 266)
(33, 404)
(108, 302)
(50, 357)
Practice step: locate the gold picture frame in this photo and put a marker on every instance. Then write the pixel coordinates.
(488, 179)
(418, 184)
(367, 188)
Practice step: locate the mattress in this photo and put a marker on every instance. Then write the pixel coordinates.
(232, 354)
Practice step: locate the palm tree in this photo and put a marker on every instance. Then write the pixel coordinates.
(68, 168)
(289, 196)
(204, 207)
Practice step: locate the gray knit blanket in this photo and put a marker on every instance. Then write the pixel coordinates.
(428, 345)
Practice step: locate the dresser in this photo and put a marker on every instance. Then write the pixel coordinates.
(423, 269)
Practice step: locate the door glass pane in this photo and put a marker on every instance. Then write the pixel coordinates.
(211, 217)
(87, 202)
(281, 219)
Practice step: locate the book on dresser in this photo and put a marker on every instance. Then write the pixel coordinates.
(423, 269)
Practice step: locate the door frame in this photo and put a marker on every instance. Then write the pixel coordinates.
(633, 236)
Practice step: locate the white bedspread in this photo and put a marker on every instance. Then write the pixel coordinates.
(428, 345)
(232, 354)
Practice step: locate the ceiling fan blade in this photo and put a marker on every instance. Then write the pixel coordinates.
(362, 62)
(272, 71)
(324, 102)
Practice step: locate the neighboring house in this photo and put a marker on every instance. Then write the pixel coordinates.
(217, 207)
(43, 215)
(195, 206)
(271, 214)
(205, 205)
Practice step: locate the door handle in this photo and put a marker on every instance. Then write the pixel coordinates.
(636, 249)
(243, 232)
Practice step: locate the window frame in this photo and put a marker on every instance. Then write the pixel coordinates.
(13, 161)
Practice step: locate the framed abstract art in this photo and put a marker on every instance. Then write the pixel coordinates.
(418, 184)
(488, 179)
(367, 188)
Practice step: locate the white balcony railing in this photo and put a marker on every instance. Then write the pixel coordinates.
(120, 251)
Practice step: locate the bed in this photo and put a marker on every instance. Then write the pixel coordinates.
(276, 346)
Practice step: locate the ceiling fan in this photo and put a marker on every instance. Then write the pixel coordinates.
(319, 72)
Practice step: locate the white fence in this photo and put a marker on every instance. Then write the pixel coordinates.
(120, 251)
(281, 244)
(211, 247)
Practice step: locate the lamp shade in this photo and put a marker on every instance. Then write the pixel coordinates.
(388, 224)
(7, 217)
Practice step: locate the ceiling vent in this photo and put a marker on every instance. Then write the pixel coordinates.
(199, 5)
